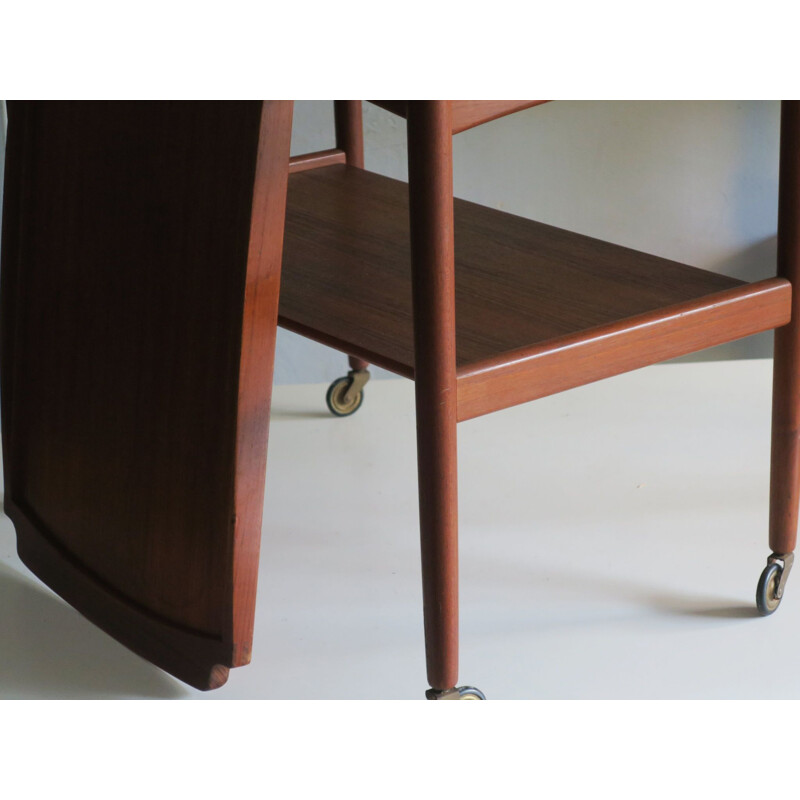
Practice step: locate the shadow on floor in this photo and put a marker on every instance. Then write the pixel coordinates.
(285, 413)
(665, 602)
(699, 607)
(595, 586)
(49, 651)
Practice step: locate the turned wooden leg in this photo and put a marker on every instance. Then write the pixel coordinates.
(349, 130)
(785, 466)
(785, 478)
(350, 138)
(431, 210)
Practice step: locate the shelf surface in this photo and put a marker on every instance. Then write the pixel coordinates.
(519, 283)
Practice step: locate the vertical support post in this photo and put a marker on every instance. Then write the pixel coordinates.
(785, 468)
(347, 116)
(349, 130)
(430, 168)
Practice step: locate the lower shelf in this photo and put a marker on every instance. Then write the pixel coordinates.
(568, 361)
(538, 309)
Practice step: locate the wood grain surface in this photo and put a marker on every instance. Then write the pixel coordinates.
(138, 291)
(590, 355)
(519, 283)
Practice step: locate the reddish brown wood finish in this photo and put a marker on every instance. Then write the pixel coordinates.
(433, 290)
(349, 141)
(785, 477)
(590, 355)
(519, 284)
(257, 358)
(139, 293)
(467, 113)
(322, 158)
(347, 116)
(357, 363)
(139, 279)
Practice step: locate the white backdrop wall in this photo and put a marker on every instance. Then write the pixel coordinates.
(692, 181)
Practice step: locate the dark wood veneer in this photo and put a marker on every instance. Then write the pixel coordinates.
(141, 255)
(785, 458)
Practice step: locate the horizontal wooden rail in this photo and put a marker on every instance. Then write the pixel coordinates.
(322, 158)
(590, 355)
(467, 114)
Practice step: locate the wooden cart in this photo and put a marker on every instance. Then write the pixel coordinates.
(141, 288)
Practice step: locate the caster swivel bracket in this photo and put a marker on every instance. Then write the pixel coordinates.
(784, 561)
(456, 693)
(358, 380)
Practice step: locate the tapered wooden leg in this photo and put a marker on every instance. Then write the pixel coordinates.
(431, 204)
(785, 477)
(349, 130)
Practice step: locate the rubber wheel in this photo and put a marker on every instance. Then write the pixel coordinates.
(336, 402)
(456, 693)
(767, 586)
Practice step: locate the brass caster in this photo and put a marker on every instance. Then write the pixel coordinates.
(345, 395)
(457, 693)
(772, 583)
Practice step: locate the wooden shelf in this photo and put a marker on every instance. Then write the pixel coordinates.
(538, 309)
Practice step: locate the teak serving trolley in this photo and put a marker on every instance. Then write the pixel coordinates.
(141, 288)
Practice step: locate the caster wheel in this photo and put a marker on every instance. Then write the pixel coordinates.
(338, 403)
(458, 693)
(470, 693)
(766, 593)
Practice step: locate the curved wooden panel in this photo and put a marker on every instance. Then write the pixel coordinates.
(141, 258)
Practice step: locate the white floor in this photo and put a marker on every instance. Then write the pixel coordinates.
(611, 541)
